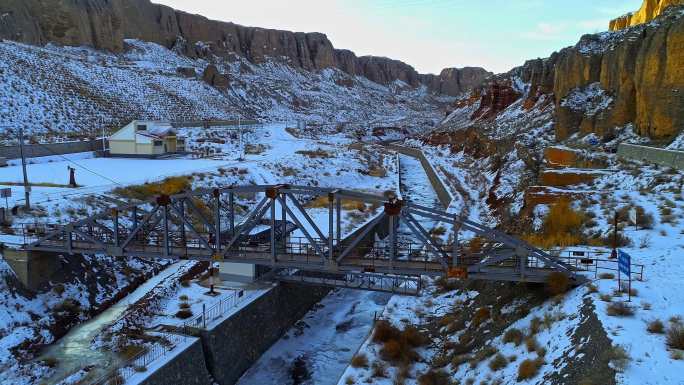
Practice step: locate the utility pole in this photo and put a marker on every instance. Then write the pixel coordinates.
(27, 188)
(104, 144)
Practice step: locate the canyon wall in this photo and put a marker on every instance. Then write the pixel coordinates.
(104, 24)
(634, 75)
(649, 10)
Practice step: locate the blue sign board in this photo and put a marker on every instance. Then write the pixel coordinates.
(624, 263)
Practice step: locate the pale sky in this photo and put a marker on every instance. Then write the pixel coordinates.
(429, 34)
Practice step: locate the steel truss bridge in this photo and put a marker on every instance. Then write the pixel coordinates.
(211, 225)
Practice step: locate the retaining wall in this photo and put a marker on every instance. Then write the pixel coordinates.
(187, 368)
(663, 157)
(236, 344)
(437, 184)
(38, 150)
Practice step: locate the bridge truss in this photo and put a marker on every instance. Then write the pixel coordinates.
(212, 224)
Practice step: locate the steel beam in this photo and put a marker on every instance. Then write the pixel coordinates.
(370, 226)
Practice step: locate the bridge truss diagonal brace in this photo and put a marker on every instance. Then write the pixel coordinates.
(301, 227)
(306, 216)
(423, 235)
(48, 237)
(90, 238)
(249, 223)
(139, 227)
(493, 261)
(188, 201)
(190, 226)
(370, 226)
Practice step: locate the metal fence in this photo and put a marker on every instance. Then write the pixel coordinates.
(214, 312)
(594, 261)
(141, 361)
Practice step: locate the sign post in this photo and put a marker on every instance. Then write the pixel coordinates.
(633, 218)
(625, 266)
(6, 193)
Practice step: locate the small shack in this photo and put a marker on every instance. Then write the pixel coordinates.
(146, 139)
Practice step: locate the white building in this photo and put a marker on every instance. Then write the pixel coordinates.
(142, 138)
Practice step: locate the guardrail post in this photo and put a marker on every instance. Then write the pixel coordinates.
(231, 203)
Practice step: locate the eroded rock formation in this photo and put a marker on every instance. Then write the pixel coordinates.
(649, 10)
(104, 24)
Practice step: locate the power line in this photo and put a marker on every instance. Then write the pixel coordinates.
(79, 165)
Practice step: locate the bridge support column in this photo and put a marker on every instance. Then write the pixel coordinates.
(272, 194)
(331, 219)
(393, 210)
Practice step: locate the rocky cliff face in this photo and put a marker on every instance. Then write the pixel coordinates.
(608, 80)
(649, 10)
(104, 24)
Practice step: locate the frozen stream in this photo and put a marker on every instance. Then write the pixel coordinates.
(319, 348)
(74, 351)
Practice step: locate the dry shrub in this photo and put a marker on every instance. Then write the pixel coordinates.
(398, 346)
(379, 370)
(514, 336)
(481, 315)
(129, 351)
(562, 226)
(317, 153)
(435, 377)
(619, 309)
(529, 368)
(498, 362)
(675, 336)
(645, 220)
(557, 283)
(656, 327)
(359, 361)
(618, 357)
(535, 325)
(606, 276)
(184, 313)
(531, 344)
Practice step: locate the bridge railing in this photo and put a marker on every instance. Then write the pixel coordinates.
(122, 372)
(214, 312)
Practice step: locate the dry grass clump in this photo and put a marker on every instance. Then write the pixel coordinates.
(618, 357)
(675, 336)
(619, 309)
(435, 377)
(514, 336)
(168, 186)
(656, 327)
(498, 362)
(378, 370)
(557, 283)
(606, 276)
(317, 153)
(529, 368)
(481, 315)
(359, 361)
(531, 344)
(398, 345)
(562, 226)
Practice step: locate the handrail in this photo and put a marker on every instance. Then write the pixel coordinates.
(125, 370)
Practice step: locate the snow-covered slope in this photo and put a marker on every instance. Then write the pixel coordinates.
(60, 92)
